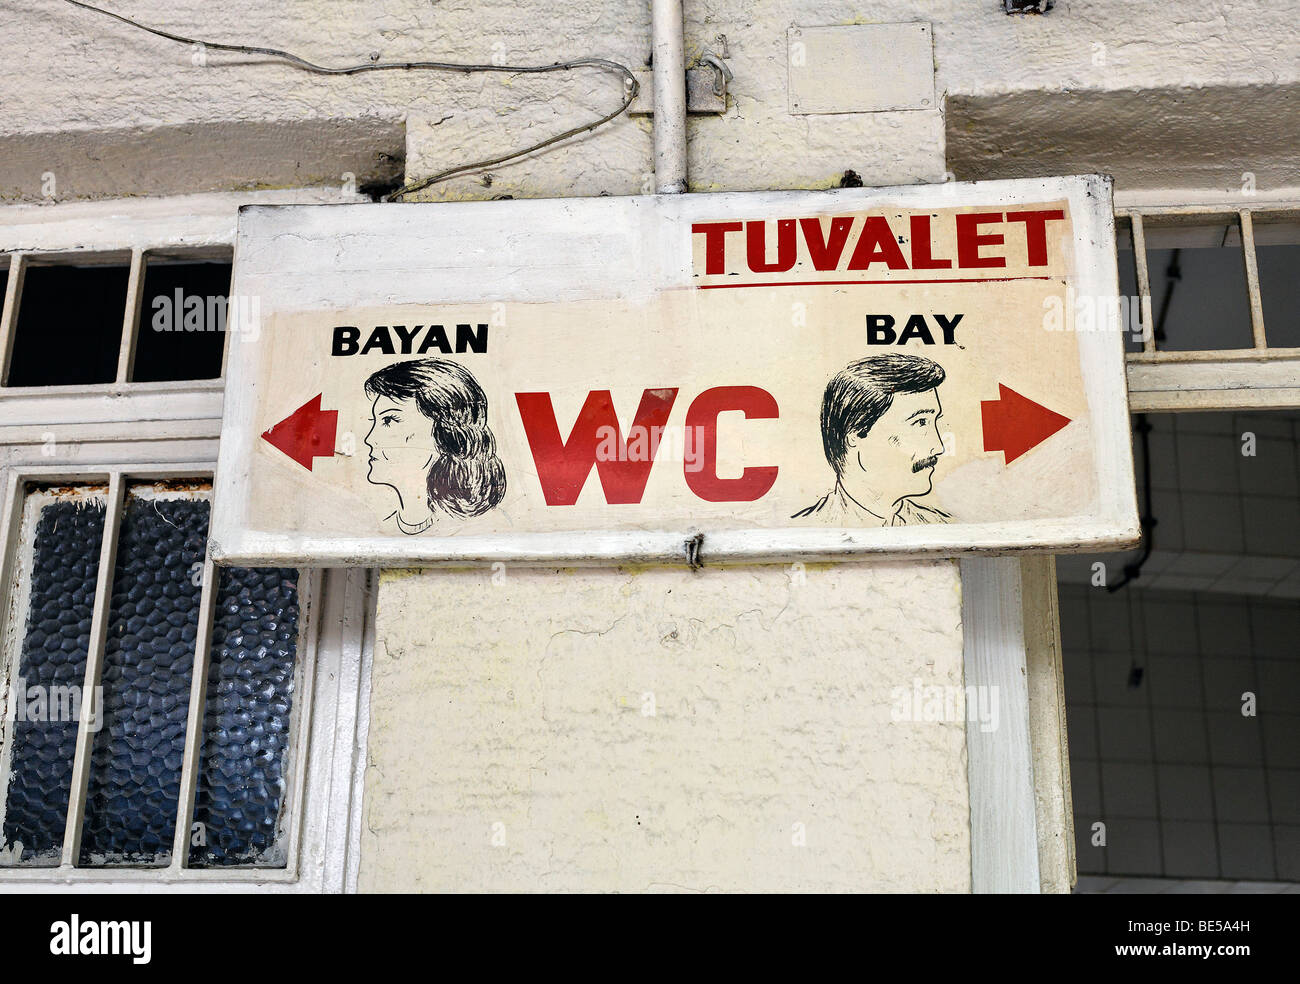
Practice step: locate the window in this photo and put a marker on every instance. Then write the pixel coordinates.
(227, 744)
(1183, 685)
(142, 317)
(69, 320)
(1218, 286)
(103, 668)
(183, 318)
(1181, 676)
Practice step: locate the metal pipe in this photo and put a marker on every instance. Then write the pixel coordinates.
(669, 62)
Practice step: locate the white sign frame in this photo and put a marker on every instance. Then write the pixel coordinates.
(320, 257)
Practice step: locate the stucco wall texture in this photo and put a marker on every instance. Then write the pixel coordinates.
(112, 111)
(730, 729)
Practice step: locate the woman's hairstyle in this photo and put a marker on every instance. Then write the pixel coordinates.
(468, 478)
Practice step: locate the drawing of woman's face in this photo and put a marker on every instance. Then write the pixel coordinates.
(401, 443)
(430, 443)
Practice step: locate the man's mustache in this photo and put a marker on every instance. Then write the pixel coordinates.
(925, 463)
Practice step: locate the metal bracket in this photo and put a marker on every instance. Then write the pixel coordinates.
(724, 75)
(693, 558)
(706, 88)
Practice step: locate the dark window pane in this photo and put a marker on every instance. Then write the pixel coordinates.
(1130, 307)
(1279, 286)
(65, 533)
(69, 325)
(148, 659)
(1208, 307)
(246, 724)
(138, 736)
(182, 321)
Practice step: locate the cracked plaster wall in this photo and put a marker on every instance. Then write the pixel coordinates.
(112, 111)
(512, 744)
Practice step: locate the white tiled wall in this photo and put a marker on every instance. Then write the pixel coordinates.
(1160, 751)
(1226, 521)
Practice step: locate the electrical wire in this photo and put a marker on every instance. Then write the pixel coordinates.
(630, 88)
(1148, 520)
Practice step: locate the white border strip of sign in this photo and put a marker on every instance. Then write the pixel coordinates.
(302, 258)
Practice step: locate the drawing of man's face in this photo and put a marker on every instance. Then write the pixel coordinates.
(401, 443)
(901, 449)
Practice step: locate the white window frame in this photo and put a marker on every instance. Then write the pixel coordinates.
(1009, 804)
(115, 433)
(1261, 377)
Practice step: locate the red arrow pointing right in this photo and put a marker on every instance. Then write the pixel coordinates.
(307, 433)
(1013, 423)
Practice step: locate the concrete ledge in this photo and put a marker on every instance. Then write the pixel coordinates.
(233, 155)
(1202, 137)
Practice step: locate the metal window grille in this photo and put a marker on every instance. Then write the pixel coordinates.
(1258, 376)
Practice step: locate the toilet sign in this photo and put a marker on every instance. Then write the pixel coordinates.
(766, 376)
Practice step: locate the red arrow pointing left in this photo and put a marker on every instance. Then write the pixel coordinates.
(307, 433)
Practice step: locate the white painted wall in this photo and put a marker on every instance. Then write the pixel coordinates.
(665, 730)
(1093, 84)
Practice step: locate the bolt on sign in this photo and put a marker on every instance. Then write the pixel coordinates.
(933, 370)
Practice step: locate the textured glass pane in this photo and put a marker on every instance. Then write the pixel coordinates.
(58, 581)
(246, 723)
(148, 658)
